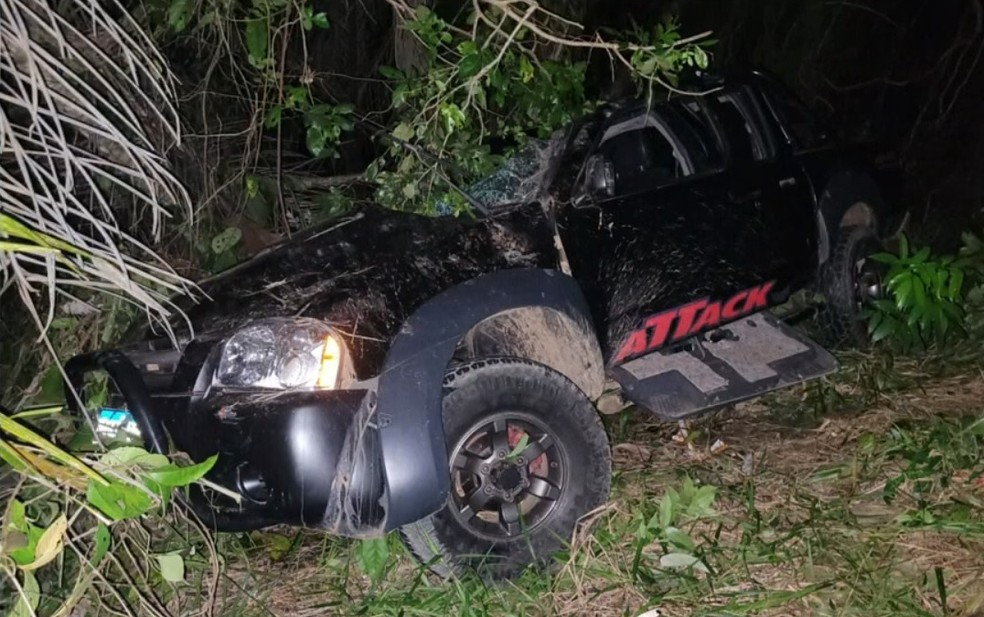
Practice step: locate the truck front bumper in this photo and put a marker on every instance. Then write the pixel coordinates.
(295, 458)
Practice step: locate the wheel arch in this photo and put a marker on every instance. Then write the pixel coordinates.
(850, 199)
(544, 335)
(492, 308)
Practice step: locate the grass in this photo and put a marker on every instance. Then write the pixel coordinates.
(858, 495)
(867, 512)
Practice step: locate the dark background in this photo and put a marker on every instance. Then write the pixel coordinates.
(904, 74)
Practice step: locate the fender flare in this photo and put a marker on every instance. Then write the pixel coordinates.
(409, 411)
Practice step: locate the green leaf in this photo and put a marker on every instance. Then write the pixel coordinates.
(921, 256)
(320, 20)
(226, 240)
(52, 386)
(681, 561)
(885, 258)
(903, 292)
(172, 567)
(903, 246)
(273, 117)
(956, 283)
(524, 439)
(50, 544)
(10, 456)
(133, 456)
(939, 287)
(20, 538)
(688, 490)
(875, 320)
(297, 96)
(702, 501)
(19, 547)
(403, 132)
(918, 292)
(101, 545)
(119, 501)
(18, 515)
(885, 329)
(223, 262)
(470, 64)
(28, 600)
(451, 117)
(915, 315)
(315, 140)
(667, 507)
(372, 555)
(391, 73)
(174, 476)
(256, 39)
(526, 70)
(178, 14)
(679, 538)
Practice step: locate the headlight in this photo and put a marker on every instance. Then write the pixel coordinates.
(282, 354)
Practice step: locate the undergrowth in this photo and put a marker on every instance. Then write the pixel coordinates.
(879, 512)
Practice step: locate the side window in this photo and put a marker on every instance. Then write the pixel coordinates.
(642, 155)
(693, 127)
(746, 139)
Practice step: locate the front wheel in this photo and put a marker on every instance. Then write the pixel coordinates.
(850, 281)
(528, 456)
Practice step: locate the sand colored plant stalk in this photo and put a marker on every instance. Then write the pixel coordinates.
(86, 116)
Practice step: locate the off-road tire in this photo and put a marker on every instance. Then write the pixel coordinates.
(842, 318)
(479, 389)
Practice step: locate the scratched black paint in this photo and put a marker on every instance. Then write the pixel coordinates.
(317, 458)
(367, 273)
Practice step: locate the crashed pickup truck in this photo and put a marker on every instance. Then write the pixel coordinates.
(439, 376)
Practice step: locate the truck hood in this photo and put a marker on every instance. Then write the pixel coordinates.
(366, 273)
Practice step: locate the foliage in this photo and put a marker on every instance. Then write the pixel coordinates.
(80, 157)
(494, 80)
(972, 252)
(77, 503)
(689, 504)
(926, 301)
(506, 70)
(933, 455)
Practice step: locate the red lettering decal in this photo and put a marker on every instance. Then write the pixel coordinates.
(686, 321)
(661, 328)
(710, 318)
(758, 298)
(731, 306)
(634, 346)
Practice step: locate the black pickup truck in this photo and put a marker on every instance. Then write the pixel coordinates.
(439, 375)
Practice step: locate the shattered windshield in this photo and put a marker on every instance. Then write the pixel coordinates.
(518, 179)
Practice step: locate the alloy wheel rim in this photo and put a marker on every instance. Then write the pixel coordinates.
(868, 286)
(501, 485)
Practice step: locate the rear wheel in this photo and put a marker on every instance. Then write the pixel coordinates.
(528, 456)
(850, 281)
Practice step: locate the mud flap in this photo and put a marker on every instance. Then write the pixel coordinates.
(739, 361)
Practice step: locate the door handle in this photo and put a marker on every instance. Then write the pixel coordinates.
(790, 181)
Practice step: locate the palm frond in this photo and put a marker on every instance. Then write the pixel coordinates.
(86, 115)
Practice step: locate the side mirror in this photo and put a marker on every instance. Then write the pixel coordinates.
(599, 175)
